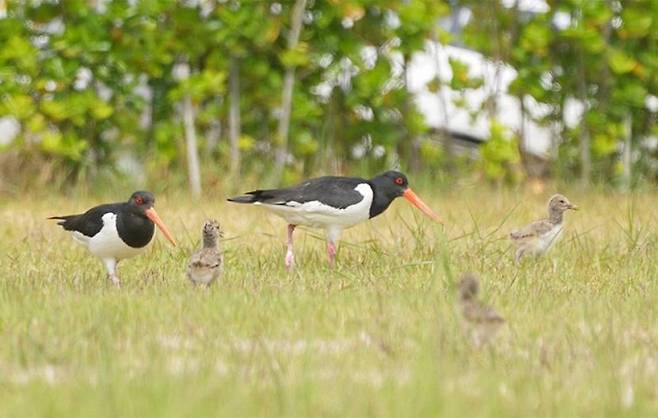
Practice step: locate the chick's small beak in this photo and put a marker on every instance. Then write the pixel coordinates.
(417, 202)
(153, 215)
(572, 206)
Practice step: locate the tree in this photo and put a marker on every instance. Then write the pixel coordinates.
(287, 91)
(92, 83)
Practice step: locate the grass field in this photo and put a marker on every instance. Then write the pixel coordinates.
(377, 336)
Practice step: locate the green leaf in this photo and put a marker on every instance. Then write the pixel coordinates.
(603, 144)
(434, 85)
(460, 78)
(295, 57)
(637, 24)
(305, 144)
(101, 110)
(536, 38)
(620, 62)
(69, 146)
(19, 105)
(631, 94)
(246, 143)
(55, 110)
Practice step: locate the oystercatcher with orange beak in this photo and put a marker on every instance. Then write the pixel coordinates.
(116, 231)
(333, 204)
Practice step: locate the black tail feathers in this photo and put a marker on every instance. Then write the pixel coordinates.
(62, 219)
(250, 197)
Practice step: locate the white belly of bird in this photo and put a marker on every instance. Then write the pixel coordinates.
(316, 214)
(549, 239)
(107, 243)
(202, 276)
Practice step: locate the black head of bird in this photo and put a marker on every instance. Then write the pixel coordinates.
(393, 184)
(141, 204)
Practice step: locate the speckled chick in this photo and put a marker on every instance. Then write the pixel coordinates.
(538, 237)
(481, 321)
(207, 264)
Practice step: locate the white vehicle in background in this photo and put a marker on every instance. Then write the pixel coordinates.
(441, 112)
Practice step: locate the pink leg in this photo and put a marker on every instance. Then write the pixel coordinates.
(290, 256)
(331, 252)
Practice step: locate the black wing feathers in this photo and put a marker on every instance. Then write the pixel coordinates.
(88, 223)
(337, 192)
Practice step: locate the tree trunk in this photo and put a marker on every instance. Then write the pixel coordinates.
(522, 127)
(585, 153)
(194, 172)
(286, 95)
(627, 157)
(447, 138)
(412, 140)
(214, 131)
(234, 116)
(492, 100)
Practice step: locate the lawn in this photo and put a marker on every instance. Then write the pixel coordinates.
(377, 336)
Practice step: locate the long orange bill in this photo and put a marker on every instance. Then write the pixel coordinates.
(153, 215)
(415, 200)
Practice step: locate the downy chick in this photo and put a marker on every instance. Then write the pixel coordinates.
(207, 264)
(481, 321)
(540, 236)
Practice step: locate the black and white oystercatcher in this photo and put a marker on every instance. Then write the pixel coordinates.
(334, 203)
(116, 231)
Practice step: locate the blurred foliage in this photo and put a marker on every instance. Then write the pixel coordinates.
(93, 81)
(601, 54)
(500, 156)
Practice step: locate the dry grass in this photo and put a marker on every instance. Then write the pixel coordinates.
(378, 336)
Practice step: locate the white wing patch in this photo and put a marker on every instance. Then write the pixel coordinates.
(316, 214)
(80, 238)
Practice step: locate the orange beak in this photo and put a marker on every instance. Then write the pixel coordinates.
(153, 215)
(415, 200)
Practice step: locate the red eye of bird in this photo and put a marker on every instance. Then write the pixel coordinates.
(399, 181)
(139, 200)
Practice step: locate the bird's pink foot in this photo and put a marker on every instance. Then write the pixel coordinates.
(114, 279)
(290, 260)
(290, 256)
(331, 253)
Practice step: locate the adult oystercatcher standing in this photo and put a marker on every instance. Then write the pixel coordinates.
(333, 204)
(116, 231)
